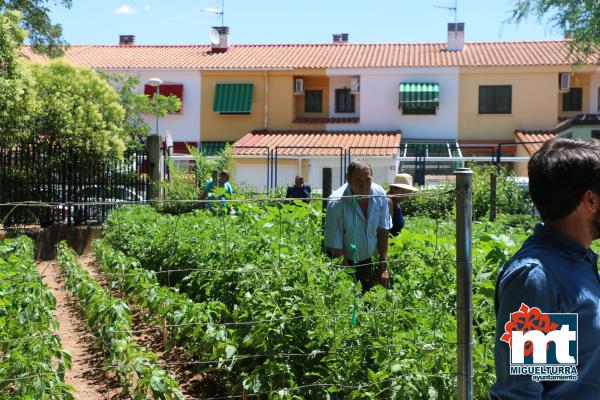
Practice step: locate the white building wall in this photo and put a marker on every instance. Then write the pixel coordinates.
(594, 93)
(379, 98)
(249, 173)
(186, 125)
(341, 82)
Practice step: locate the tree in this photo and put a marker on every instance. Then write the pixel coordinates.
(136, 104)
(78, 110)
(578, 19)
(46, 37)
(17, 97)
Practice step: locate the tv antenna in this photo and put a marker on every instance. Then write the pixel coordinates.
(217, 11)
(455, 10)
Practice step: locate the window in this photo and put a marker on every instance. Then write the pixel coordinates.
(344, 101)
(419, 109)
(495, 99)
(572, 100)
(595, 134)
(167, 90)
(313, 101)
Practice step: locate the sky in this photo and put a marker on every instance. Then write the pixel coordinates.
(292, 21)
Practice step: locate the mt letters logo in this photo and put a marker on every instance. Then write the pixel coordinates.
(542, 345)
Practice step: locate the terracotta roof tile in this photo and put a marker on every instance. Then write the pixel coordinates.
(319, 143)
(297, 56)
(533, 140)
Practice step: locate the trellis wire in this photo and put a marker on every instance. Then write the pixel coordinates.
(278, 268)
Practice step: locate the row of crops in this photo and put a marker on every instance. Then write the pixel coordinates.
(32, 360)
(254, 302)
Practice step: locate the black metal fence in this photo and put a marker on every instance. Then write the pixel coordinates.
(42, 184)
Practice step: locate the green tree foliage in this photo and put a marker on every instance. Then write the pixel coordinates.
(137, 104)
(579, 19)
(46, 37)
(17, 102)
(79, 110)
(186, 186)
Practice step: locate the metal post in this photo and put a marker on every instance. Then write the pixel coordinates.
(464, 298)
(158, 93)
(154, 166)
(493, 196)
(327, 184)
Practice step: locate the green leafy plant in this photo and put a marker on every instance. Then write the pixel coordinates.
(272, 315)
(32, 360)
(109, 318)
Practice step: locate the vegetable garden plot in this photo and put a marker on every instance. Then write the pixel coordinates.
(32, 360)
(110, 320)
(274, 316)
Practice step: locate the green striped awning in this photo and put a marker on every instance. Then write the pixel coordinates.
(415, 95)
(233, 98)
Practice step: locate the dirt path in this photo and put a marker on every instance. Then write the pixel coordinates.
(85, 375)
(193, 385)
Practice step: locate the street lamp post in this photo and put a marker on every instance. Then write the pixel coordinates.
(156, 82)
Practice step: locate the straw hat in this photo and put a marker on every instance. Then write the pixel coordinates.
(404, 181)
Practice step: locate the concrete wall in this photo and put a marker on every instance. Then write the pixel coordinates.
(582, 81)
(274, 105)
(342, 82)
(184, 126)
(534, 103)
(380, 94)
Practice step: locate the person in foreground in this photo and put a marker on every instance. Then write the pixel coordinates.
(358, 213)
(547, 299)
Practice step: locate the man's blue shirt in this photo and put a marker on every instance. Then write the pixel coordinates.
(295, 192)
(558, 275)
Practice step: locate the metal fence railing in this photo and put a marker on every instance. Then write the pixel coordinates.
(61, 180)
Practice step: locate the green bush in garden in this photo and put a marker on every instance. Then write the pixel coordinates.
(511, 199)
(282, 313)
(32, 360)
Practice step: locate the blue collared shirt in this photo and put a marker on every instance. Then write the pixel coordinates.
(558, 275)
(344, 215)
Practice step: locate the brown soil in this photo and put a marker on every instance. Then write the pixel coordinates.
(193, 384)
(86, 375)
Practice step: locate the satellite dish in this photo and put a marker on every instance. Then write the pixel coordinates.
(215, 37)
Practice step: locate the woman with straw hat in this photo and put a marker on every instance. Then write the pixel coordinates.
(403, 185)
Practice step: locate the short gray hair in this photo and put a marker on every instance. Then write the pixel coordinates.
(358, 164)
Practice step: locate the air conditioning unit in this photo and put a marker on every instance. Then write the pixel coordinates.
(299, 86)
(564, 83)
(355, 85)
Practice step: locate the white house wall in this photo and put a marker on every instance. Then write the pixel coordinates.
(184, 127)
(341, 82)
(594, 92)
(379, 97)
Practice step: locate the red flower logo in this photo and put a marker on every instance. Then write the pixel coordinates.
(525, 320)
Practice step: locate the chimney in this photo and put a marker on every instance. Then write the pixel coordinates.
(340, 38)
(456, 36)
(126, 40)
(219, 39)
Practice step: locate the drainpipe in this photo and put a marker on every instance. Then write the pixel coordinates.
(266, 124)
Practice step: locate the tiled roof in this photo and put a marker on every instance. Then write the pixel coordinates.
(288, 56)
(533, 140)
(320, 143)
